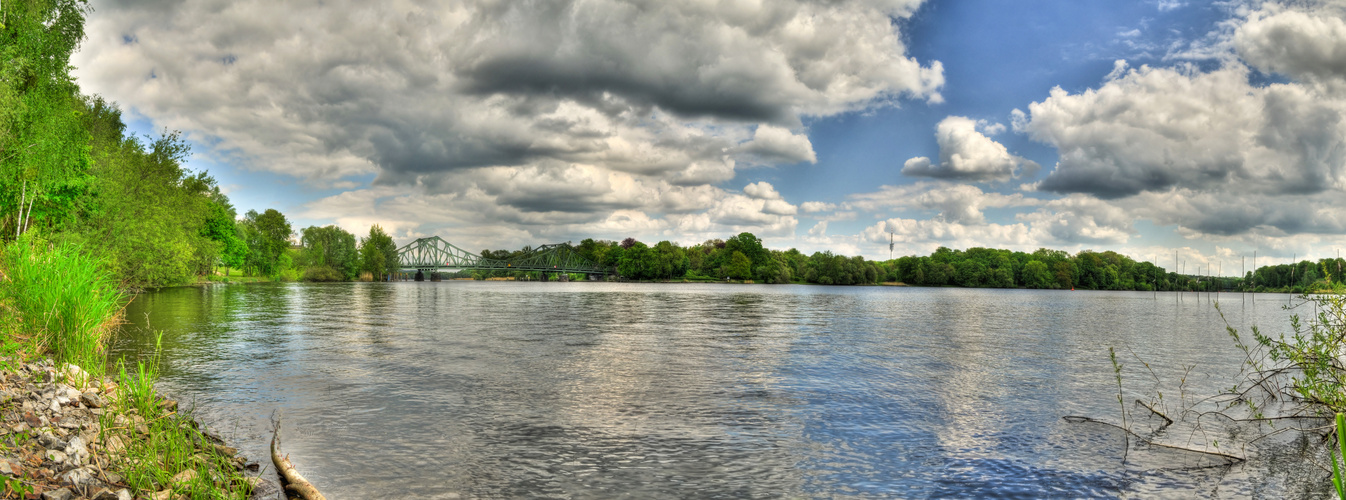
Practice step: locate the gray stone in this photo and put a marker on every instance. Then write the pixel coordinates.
(211, 434)
(91, 400)
(82, 478)
(51, 442)
(55, 407)
(77, 451)
(57, 456)
(60, 494)
(74, 374)
(263, 489)
(107, 494)
(6, 468)
(76, 445)
(114, 445)
(184, 477)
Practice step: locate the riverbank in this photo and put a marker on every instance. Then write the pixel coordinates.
(64, 435)
(67, 433)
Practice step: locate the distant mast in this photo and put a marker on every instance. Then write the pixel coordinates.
(890, 245)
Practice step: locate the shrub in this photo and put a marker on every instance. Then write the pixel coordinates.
(1304, 366)
(322, 273)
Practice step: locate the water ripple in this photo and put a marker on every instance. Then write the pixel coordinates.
(591, 390)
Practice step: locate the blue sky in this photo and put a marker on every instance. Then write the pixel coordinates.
(1210, 129)
(997, 57)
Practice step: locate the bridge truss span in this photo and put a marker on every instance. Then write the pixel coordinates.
(433, 254)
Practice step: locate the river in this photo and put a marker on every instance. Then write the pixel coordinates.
(466, 389)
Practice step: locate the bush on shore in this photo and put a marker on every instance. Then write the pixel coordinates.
(322, 273)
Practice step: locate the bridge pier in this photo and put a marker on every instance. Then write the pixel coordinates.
(420, 276)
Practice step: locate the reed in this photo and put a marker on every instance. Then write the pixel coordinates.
(1338, 482)
(173, 454)
(62, 299)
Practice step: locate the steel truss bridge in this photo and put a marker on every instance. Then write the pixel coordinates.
(433, 255)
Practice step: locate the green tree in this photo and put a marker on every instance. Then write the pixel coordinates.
(671, 260)
(235, 253)
(378, 253)
(146, 213)
(748, 244)
(1064, 272)
(637, 261)
(740, 266)
(1036, 275)
(221, 228)
(268, 236)
(1002, 277)
(970, 273)
(44, 149)
(329, 254)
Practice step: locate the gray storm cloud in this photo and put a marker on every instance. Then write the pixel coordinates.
(610, 113)
(410, 88)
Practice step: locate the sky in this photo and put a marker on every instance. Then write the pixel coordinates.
(1188, 132)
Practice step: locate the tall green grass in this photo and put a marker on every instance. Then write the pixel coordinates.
(62, 298)
(1338, 482)
(174, 443)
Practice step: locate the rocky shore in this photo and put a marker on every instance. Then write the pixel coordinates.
(64, 436)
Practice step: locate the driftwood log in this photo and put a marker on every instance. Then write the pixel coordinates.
(287, 471)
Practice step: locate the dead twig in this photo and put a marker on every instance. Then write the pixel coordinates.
(1167, 421)
(1232, 458)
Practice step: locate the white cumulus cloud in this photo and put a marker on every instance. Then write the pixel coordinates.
(966, 154)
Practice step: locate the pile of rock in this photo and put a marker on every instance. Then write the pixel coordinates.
(52, 440)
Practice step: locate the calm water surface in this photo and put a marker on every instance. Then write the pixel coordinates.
(597, 390)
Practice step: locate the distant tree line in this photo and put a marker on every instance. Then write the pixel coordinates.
(1298, 277)
(743, 257)
(1042, 269)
